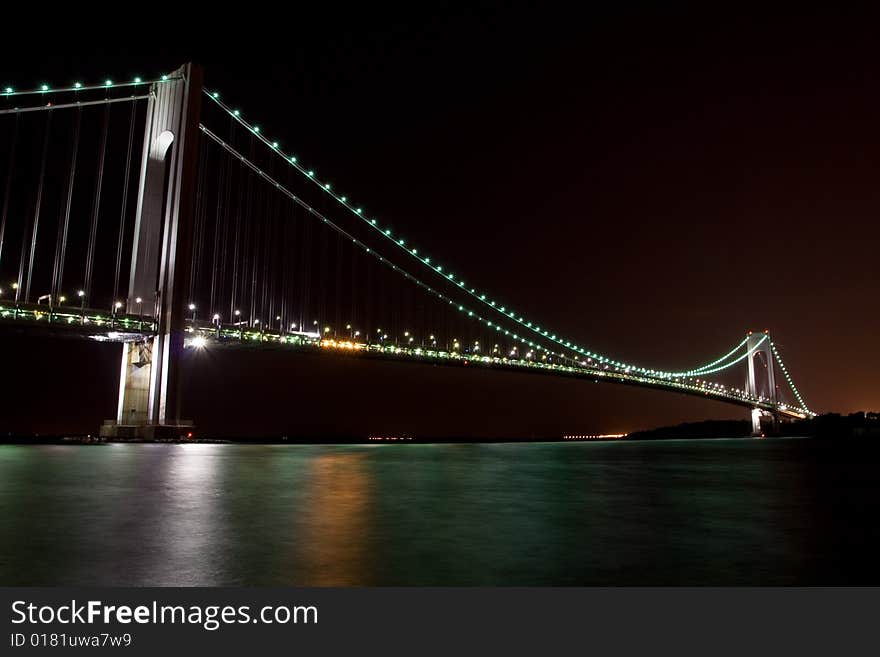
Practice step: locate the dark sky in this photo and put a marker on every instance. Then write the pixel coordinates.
(651, 184)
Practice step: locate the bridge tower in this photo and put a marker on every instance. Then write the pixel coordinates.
(759, 345)
(149, 385)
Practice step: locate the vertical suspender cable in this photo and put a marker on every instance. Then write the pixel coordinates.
(294, 302)
(122, 211)
(305, 287)
(8, 187)
(354, 291)
(322, 280)
(222, 287)
(285, 236)
(420, 313)
(256, 217)
(368, 302)
(233, 297)
(395, 308)
(406, 305)
(246, 230)
(261, 253)
(203, 226)
(271, 269)
(446, 328)
(96, 204)
(215, 251)
(382, 295)
(296, 297)
(298, 272)
(337, 302)
(199, 227)
(409, 321)
(36, 226)
(392, 303)
(236, 240)
(286, 229)
(266, 307)
(63, 225)
(262, 271)
(203, 223)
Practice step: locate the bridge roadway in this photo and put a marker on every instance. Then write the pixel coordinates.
(107, 326)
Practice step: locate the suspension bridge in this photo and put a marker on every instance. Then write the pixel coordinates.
(149, 212)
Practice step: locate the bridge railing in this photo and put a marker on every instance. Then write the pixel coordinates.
(201, 335)
(100, 324)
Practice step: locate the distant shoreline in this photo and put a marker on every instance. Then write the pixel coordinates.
(44, 441)
(830, 425)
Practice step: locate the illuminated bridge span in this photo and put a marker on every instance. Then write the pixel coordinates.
(151, 213)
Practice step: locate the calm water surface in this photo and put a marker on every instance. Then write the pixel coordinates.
(782, 511)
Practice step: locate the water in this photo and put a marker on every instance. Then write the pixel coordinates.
(782, 511)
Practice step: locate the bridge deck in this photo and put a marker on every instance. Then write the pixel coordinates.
(109, 327)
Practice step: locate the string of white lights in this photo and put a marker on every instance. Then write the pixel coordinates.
(509, 315)
(372, 252)
(580, 352)
(326, 187)
(788, 378)
(44, 88)
(733, 362)
(702, 370)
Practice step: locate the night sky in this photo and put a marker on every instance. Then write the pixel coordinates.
(653, 185)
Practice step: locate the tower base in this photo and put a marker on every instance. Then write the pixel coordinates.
(761, 428)
(147, 433)
(756, 422)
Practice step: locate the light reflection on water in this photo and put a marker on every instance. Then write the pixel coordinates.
(689, 512)
(335, 522)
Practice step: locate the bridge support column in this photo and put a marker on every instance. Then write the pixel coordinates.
(759, 344)
(134, 384)
(149, 388)
(756, 421)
